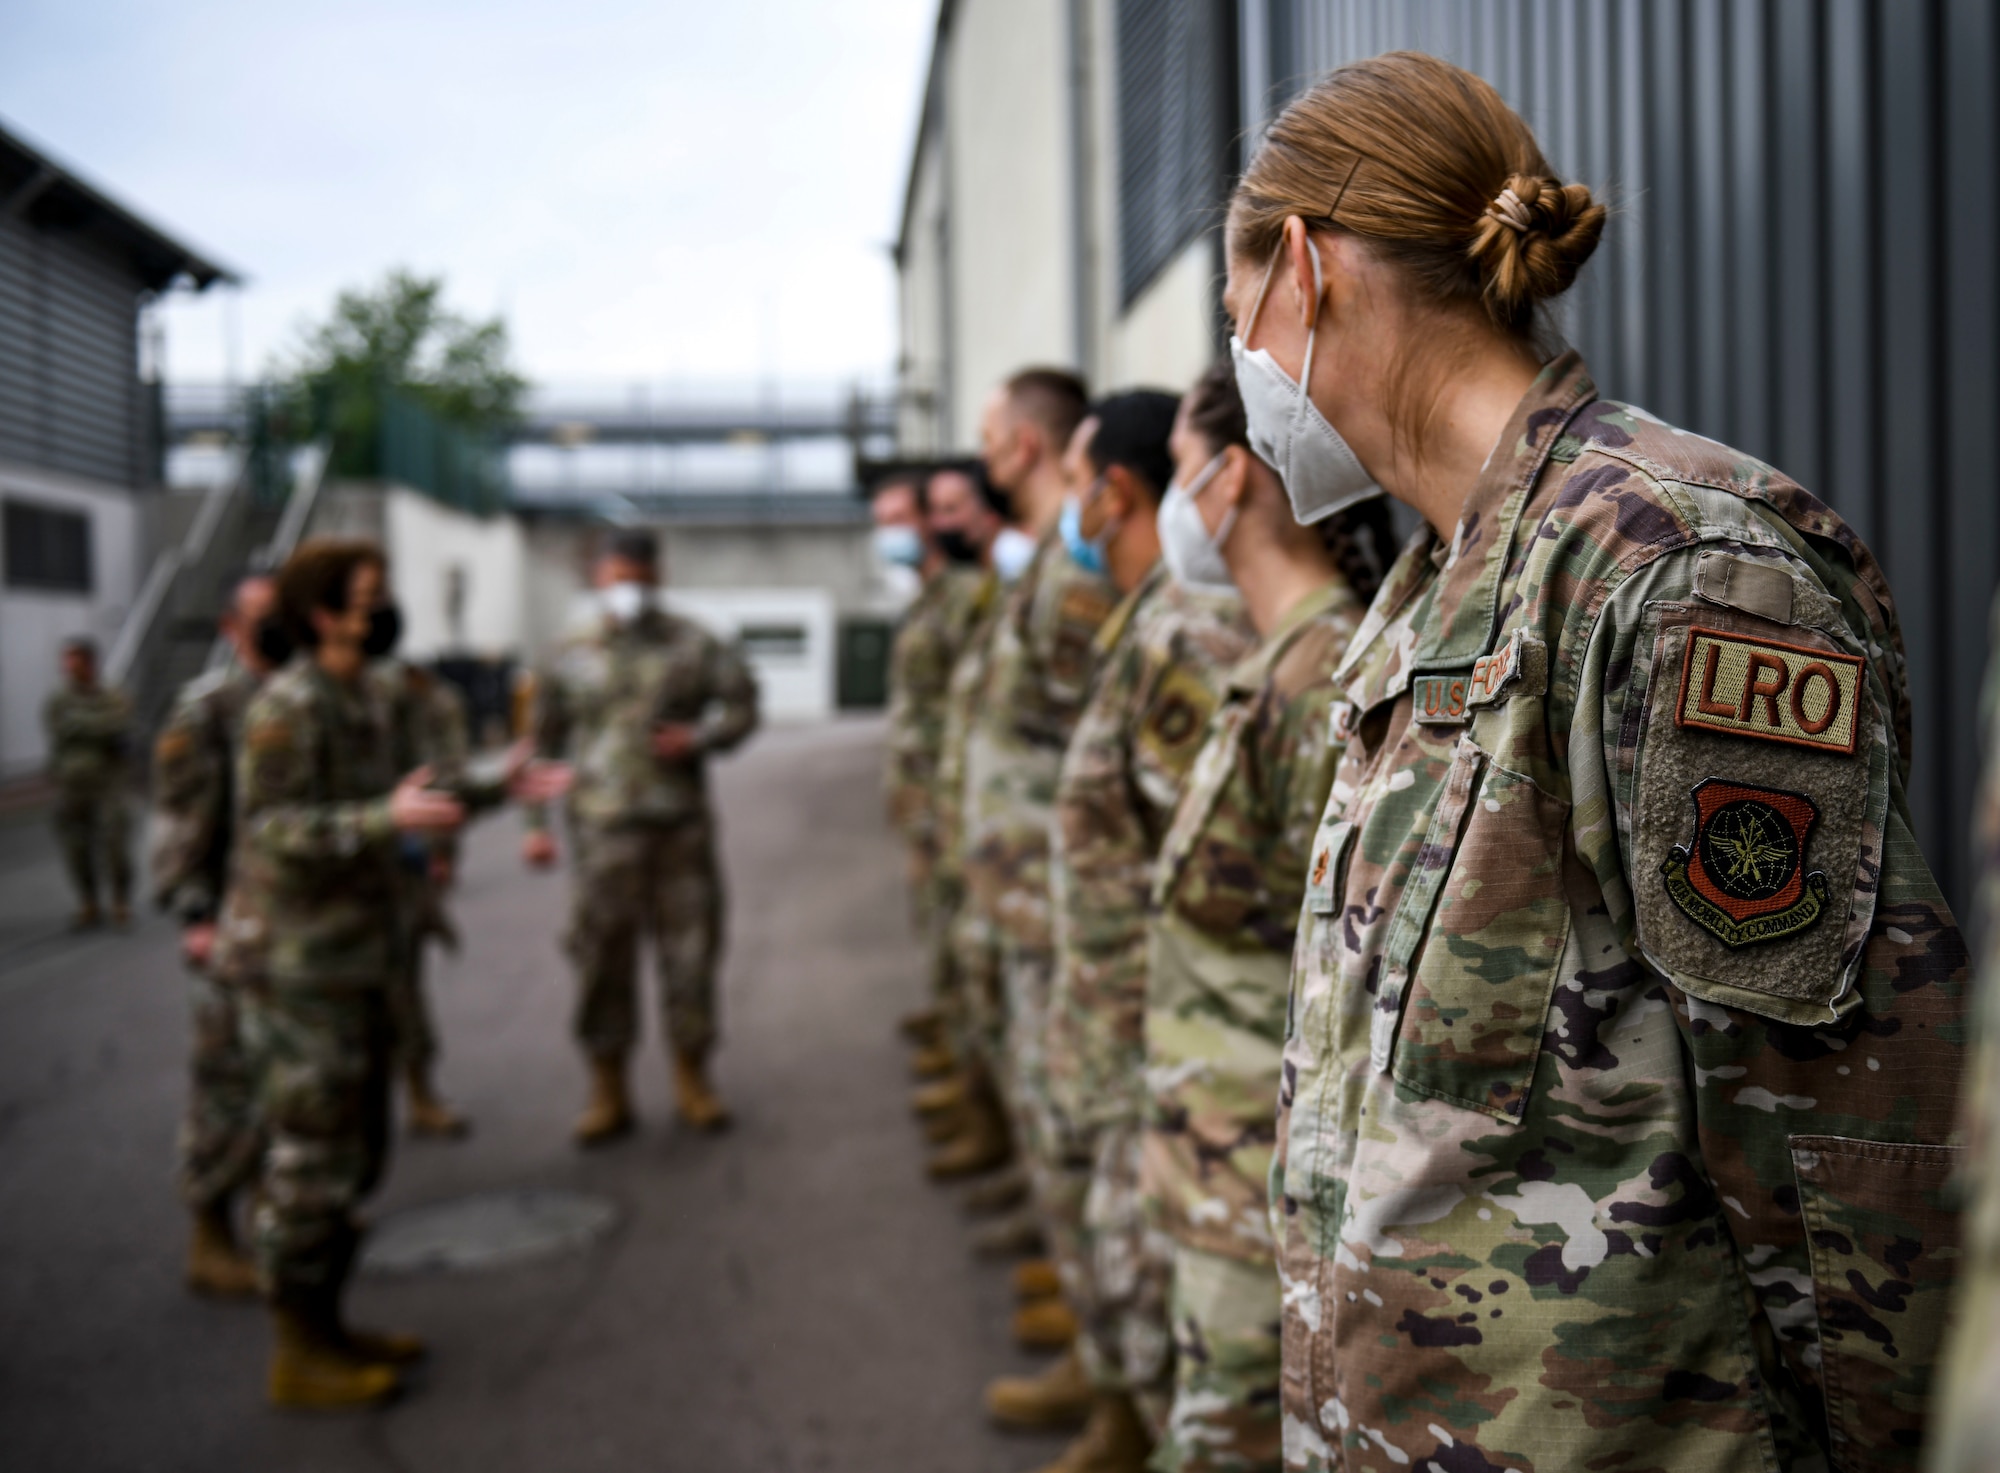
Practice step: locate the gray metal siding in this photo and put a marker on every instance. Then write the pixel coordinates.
(1802, 264)
(70, 397)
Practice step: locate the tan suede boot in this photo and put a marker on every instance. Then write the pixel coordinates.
(609, 1113)
(1036, 1279)
(947, 1127)
(87, 918)
(1017, 1235)
(216, 1263)
(1044, 1324)
(385, 1347)
(942, 1097)
(428, 1115)
(692, 1095)
(314, 1369)
(933, 1061)
(1061, 1396)
(1002, 1193)
(1113, 1441)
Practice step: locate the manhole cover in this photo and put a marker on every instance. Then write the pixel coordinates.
(492, 1230)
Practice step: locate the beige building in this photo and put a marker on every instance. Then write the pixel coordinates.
(1061, 199)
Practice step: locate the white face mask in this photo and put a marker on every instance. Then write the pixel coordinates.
(1191, 554)
(1013, 550)
(1287, 430)
(625, 602)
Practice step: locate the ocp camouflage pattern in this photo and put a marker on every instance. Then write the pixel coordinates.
(194, 760)
(1226, 897)
(927, 645)
(1162, 659)
(1562, 1180)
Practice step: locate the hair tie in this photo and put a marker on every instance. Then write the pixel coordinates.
(1509, 211)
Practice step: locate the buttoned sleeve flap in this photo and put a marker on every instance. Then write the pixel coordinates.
(1884, 1241)
(1481, 974)
(1759, 791)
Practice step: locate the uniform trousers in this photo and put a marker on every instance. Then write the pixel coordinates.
(221, 1136)
(658, 880)
(93, 826)
(1224, 1417)
(323, 1054)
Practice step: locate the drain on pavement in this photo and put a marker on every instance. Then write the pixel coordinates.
(488, 1231)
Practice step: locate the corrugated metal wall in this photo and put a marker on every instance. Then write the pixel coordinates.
(1803, 264)
(70, 397)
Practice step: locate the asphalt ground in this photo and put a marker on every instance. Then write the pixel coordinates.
(789, 1296)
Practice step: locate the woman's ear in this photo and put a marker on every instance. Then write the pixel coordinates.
(1302, 262)
(1232, 478)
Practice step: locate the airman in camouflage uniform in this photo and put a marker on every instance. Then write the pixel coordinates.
(642, 700)
(1967, 1431)
(309, 932)
(1626, 1016)
(429, 730)
(89, 726)
(194, 761)
(1161, 661)
(1226, 897)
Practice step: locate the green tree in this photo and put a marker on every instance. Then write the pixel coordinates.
(398, 339)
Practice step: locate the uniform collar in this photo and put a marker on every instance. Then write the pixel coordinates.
(1254, 669)
(1466, 615)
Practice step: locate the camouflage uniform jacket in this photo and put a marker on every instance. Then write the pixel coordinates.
(194, 793)
(1626, 1017)
(920, 663)
(1968, 1424)
(984, 602)
(605, 691)
(1039, 671)
(313, 894)
(1226, 895)
(88, 732)
(1162, 660)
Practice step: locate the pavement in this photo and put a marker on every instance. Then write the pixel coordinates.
(789, 1296)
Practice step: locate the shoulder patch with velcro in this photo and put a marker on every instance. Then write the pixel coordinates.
(1750, 687)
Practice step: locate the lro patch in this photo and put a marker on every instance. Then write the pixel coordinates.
(1774, 692)
(1743, 878)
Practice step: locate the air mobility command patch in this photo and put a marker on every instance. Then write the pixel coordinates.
(1749, 687)
(1743, 877)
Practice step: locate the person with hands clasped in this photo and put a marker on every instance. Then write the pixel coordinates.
(1626, 1019)
(642, 699)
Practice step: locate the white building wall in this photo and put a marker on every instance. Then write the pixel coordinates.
(1008, 164)
(459, 578)
(33, 624)
(1162, 341)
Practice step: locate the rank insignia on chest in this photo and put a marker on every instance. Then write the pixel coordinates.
(1743, 877)
(1772, 692)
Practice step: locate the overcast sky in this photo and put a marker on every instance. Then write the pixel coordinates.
(647, 189)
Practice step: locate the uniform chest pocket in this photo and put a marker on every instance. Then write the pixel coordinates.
(1472, 957)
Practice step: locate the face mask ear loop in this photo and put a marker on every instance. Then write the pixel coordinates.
(1312, 339)
(1257, 306)
(1206, 474)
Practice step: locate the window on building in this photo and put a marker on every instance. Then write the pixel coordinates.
(767, 641)
(48, 548)
(1176, 129)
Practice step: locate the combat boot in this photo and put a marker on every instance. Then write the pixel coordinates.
(692, 1095)
(932, 1061)
(609, 1113)
(385, 1347)
(1036, 1279)
(1044, 1324)
(429, 1115)
(923, 1027)
(1001, 1194)
(121, 915)
(1061, 1396)
(1113, 1441)
(216, 1263)
(941, 1097)
(980, 1146)
(1017, 1235)
(87, 917)
(313, 1367)
(941, 1128)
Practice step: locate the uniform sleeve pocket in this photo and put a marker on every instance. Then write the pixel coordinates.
(1884, 1245)
(1471, 1026)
